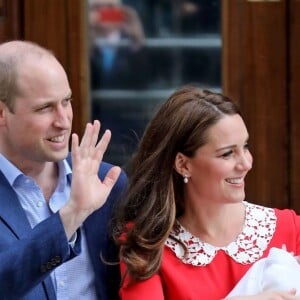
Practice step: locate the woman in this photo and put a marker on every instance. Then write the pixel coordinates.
(185, 230)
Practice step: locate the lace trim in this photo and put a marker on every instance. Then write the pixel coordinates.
(260, 224)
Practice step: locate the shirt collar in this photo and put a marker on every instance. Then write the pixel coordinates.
(11, 172)
(258, 230)
(64, 171)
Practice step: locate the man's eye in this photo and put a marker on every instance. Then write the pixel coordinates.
(67, 101)
(44, 108)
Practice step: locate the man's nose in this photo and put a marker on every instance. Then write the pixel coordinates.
(62, 117)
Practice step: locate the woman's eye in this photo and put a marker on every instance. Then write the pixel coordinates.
(246, 146)
(227, 154)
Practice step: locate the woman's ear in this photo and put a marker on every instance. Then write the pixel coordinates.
(181, 164)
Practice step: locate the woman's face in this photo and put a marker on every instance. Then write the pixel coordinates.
(218, 169)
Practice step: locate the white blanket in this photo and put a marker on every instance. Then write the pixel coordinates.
(280, 271)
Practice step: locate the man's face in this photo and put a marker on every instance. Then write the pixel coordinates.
(39, 128)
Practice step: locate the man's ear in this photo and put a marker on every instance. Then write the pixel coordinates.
(181, 164)
(3, 113)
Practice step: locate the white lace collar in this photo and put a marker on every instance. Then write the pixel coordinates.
(259, 227)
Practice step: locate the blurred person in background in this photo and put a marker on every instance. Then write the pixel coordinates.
(115, 64)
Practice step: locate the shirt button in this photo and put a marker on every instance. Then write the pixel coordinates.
(39, 204)
(61, 283)
(43, 269)
(49, 265)
(57, 259)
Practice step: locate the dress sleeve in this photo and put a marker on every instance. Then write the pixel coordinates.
(296, 230)
(297, 225)
(148, 289)
(288, 229)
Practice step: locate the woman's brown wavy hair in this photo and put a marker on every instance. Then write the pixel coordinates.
(154, 198)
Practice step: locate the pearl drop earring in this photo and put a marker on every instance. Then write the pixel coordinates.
(185, 179)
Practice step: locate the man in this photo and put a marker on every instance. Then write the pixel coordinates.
(54, 240)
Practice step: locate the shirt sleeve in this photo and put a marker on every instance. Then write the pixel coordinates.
(148, 289)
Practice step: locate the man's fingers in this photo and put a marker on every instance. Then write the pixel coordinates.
(90, 135)
(75, 141)
(102, 145)
(95, 133)
(86, 135)
(74, 145)
(112, 177)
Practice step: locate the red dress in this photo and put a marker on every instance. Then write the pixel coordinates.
(210, 273)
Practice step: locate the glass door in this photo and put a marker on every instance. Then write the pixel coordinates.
(140, 52)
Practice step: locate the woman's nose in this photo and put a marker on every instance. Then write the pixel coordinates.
(245, 161)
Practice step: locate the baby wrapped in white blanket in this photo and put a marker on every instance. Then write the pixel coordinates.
(279, 271)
